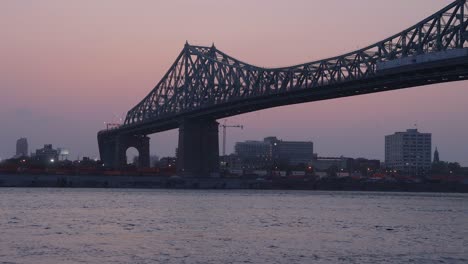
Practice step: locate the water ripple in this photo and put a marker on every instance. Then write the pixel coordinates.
(184, 226)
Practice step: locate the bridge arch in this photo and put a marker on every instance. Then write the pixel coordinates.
(132, 154)
(135, 142)
(113, 149)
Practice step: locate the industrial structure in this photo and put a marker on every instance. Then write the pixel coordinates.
(226, 126)
(204, 84)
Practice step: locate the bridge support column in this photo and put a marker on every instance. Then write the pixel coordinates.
(198, 151)
(113, 148)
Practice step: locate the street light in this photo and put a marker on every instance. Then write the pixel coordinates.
(52, 160)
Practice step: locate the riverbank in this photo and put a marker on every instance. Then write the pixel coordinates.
(156, 182)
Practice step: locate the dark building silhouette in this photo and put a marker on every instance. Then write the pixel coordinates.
(259, 154)
(167, 162)
(325, 163)
(436, 156)
(47, 154)
(253, 149)
(22, 147)
(291, 152)
(253, 154)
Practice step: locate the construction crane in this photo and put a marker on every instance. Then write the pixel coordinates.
(224, 126)
(114, 124)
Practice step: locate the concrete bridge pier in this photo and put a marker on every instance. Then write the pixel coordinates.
(198, 151)
(113, 148)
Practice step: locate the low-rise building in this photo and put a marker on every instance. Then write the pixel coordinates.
(47, 154)
(253, 154)
(291, 152)
(325, 163)
(260, 154)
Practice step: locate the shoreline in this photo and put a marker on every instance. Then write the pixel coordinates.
(161, 182)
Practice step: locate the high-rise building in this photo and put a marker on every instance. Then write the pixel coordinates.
(21, 147)
(409, 152)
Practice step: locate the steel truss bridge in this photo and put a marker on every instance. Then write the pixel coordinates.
(205, 84)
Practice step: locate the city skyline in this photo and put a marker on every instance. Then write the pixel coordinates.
(216, 131)
(132, 155)
(60, 92)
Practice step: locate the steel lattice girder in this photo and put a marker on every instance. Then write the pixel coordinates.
(204, 76)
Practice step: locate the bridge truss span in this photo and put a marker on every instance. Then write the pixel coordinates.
(205, 84)
(205, 77)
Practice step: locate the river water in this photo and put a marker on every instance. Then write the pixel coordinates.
(230, 226)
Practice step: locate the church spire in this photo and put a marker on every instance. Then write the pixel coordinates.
(436, 156)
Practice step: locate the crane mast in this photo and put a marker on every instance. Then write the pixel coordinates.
(225, 126)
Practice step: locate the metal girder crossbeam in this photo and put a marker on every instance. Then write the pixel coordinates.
(205, 76)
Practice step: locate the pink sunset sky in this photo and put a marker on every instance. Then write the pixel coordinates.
(69, 66)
